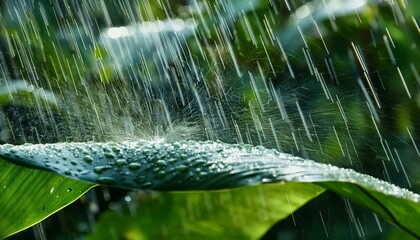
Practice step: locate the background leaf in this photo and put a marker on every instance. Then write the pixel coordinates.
(23, 93)
(243, 213)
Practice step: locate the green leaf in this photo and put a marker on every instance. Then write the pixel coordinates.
(189, 165)
(28, 196)
(241, 213)
(159, 165)
(23, 93)
(395, 208)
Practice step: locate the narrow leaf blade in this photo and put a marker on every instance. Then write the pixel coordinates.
(28, 196)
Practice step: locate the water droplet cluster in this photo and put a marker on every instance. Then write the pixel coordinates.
(183, 165)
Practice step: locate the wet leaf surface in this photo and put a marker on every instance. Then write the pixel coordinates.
(190, 165)
(28, 196)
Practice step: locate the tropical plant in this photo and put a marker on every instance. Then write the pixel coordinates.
(182, 166)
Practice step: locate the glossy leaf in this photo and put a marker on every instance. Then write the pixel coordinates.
(160, 165)
(28, 196)
(189, 165)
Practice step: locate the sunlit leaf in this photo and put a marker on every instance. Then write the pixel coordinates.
(28, 196)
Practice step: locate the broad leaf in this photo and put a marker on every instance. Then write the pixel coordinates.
(192, 165)
(160, 165)
(241, 213)
(384, 199)
(28, 196)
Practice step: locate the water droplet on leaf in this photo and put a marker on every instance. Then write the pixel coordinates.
(161, 163)
(100, 169)
(106, 180)
(134, 166)
(182, 168)
(88, 159)
(161, 174)
(116, 150)
(121, 162)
